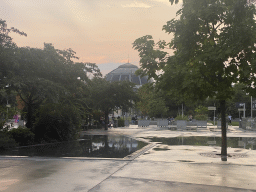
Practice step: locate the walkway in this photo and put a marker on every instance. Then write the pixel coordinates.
(156, 167)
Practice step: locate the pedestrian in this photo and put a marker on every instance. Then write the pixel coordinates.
(229, 118)
(133, 120)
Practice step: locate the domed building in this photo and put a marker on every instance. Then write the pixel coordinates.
(126, 72)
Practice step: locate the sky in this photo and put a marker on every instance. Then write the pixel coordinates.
(99, 31)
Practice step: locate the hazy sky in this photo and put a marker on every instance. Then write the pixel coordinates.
(99, 31)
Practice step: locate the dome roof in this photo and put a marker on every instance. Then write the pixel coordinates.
(128, 65)
(126, 72)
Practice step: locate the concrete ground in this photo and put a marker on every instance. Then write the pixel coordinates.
(156, 167)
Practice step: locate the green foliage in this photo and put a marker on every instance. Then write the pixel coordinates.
(201, 117)
(214, 47)
(207, 58)
(201, 110)
(44, 77)
(6, 141)
(22, 136)
(201, 113)
(106, 96)
(239, 96)
(172, 1)
(56, 122)
(179, 117)
(120, 122)
(151, 101)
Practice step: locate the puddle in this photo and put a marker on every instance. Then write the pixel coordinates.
(161, 149)
(233, 142)
(185, 161)
(103, 146)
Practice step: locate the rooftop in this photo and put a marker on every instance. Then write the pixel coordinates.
(126, 72)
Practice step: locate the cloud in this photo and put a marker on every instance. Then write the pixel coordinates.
(77, 11)
(136, 5)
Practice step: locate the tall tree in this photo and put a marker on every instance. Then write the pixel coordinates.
(8, 50)
(107, 97)
(214, 47)
(151, 101)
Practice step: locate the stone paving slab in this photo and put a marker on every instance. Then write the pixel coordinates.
(174, 168)
(54, 175)
(126, 184)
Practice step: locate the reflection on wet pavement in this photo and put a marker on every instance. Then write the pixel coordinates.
(88, 146)
(233, 142)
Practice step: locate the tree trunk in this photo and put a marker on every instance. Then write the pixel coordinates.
(223, 130)
(29, 123)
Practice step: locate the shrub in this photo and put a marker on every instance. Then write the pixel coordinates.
(120, 122)
(56, 122)
(201, 117)
(179, 117)
(6, 141)
(23, 136)
(1, 124)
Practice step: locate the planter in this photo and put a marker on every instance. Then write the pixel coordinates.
(181, 124)
(126, 123)
(201, 124)
(162, 123)
(143, 123)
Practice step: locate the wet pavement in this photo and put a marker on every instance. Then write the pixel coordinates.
(156, 167)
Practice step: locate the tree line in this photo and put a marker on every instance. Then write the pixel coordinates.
(53, 93)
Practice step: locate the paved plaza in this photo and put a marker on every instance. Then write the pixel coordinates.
(169, 168)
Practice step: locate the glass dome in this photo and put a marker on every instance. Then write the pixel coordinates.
(126, 72)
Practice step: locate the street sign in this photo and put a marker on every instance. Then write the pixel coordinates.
(8, 105)
(211, 108)
(238, 105)
(254, 105)
(241, 109)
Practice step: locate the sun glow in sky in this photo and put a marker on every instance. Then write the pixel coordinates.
(99, 31)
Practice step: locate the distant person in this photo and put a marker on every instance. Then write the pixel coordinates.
(16, 117)
(229, 118)
(171, 120)
(133, 120)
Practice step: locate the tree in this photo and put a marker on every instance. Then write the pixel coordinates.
(8, 63)
(50, 75)
(45, 79)
(213, 48)
(107, 97)
(151, 101)
(239, 96)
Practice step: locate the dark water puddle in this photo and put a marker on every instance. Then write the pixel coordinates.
(233, 142)
(89, 146)
(161, 149)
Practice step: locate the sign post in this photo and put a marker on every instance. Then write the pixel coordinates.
(212, 109)
(239, 105)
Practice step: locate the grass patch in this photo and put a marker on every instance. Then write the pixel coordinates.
(234, 123)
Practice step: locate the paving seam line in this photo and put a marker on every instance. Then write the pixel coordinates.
(140, 152)
(176, 182)
(135, 156)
